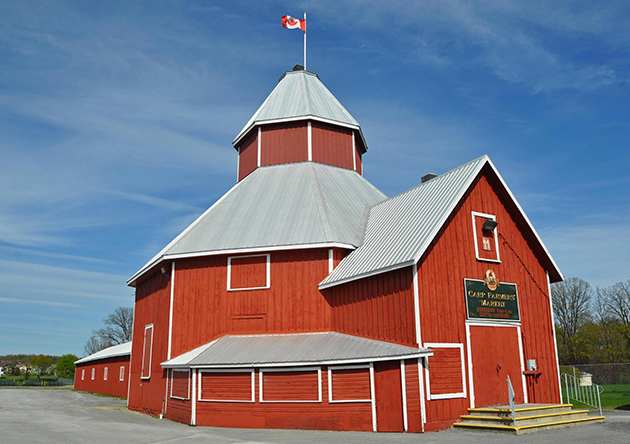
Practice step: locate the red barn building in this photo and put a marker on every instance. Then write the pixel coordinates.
(106, 371)
(305, 298)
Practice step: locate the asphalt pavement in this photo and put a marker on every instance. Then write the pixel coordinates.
(46, 415)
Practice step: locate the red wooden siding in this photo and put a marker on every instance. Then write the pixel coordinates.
(486, 243)
(359, 161)
(412, 386)
(177, 409)
(350, 384)
(248, 272)
(226, 386)
(152, 307)
(388, 388)
(441, 290)
(332, 145)
(147, 351)
(287, 415)
(180, 384)
(284, 143)
(445, 371)
(248, 157)
(205, 310)
(291, 386)
(112, 386)
(377, 307)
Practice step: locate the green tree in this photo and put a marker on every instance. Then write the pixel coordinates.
(41, 364)
(65, 366)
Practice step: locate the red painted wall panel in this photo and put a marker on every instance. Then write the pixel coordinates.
(377, 307)
(284, 143)
(412, 385)
(291, 386)
(248, 157)
(112, 386)
(248, 272)
(151, 307)
(446, 371)
(287, 415)
(332, 145)
(177, 409)
(231, 386)
(351, 384)
(441, 289)
(180, 384)
(205, 310)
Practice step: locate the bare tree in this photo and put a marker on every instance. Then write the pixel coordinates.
(615, 303)
(117, 330)
(571, 303)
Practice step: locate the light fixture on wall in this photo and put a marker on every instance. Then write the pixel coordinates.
(163, 270)
(490, 225)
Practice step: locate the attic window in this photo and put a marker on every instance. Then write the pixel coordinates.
(485, 235)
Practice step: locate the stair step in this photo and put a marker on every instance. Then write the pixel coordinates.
(530, 410)
(523, 429)
(525, 420)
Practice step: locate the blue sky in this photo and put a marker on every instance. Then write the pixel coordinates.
(116, 122)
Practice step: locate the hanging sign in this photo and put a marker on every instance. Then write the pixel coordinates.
(491, 299)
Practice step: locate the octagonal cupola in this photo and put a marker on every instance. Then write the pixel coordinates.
(300, 121)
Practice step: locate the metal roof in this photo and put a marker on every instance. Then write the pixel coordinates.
(109, 352)
(292, 349)
(299, 95)
(281, 205)
(400, 229)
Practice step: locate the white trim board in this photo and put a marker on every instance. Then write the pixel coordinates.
(496, 237)
(403, 387)
(252, 382)
(453, 395)
(144, 349)
(294, 369)
(229, 272)
(173, 370)
(346, 367)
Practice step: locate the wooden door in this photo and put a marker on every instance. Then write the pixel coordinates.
(495, 355)
(388, 387)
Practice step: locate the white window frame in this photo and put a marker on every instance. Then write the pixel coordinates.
(461, 394)
(496, 237)
(144, 348)
(121, 377)
(347, 367)
(93, 373)
(105, 374)
(229, 272)
(187, 371)
(82, 374)
(291, 369)
(253, 384)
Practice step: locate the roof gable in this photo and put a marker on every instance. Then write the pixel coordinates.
(400, 229)
(109, 352)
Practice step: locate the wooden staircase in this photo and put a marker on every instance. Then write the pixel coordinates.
(530, 418)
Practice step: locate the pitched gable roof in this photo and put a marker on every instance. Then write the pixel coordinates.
(300, 95)
(282, 205)
(109, 352)
(400, 229)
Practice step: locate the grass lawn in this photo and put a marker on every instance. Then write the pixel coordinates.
(613, 397)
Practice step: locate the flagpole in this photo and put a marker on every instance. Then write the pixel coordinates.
(305, 41)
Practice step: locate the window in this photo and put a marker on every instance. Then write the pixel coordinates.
(105, 374)
(93, 373)
(226, 385)
(122, 373)
(82, 374)
(445, 371)
(180, 384)
(486, 240)
(349, 383)
(291, 385)
(147, 352)
(248, 272)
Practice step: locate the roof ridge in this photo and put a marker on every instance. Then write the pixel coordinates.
(329, 231)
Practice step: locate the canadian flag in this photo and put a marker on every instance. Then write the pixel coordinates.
(293, 23)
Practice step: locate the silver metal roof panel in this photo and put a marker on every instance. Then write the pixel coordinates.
(292, 349)
(281, 205)
(299, 94)
(109, 352)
